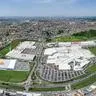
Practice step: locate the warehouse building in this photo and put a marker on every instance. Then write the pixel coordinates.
(6, 64)
(24, 51)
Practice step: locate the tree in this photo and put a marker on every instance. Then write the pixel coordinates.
(47, 35)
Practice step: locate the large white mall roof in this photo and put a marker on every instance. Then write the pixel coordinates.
(49, 51)
(63, 55)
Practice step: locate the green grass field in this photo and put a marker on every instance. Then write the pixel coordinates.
(11, 86)
(76, 37)
(87, 81)
(84, 83)
(5, 50)
(13, 76)
(68, 39)
(91, 69)
(93, 50)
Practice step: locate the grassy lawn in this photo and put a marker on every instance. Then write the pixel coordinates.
(67, 39)
(13, 76)
(84, 83)
(48, 89)
(91, 69)
(93, 50)
(88, 34)
(70, 39)
(11, 86)
(5, 50)
(15, 43)
(76, 37)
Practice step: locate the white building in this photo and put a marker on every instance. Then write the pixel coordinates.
(27, 94)
(23, 51)
(7, 64)
(69, 55)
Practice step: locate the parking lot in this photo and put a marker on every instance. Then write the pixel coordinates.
(51, 74)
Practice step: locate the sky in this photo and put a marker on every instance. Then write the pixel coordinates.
(47, 7)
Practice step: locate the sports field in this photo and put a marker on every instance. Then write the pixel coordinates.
(13, 76)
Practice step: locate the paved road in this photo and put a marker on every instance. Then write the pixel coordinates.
(62, 84)
(28, 82)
